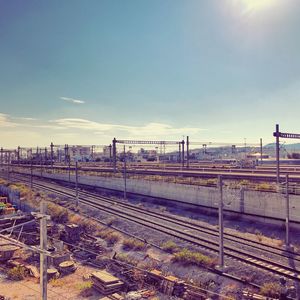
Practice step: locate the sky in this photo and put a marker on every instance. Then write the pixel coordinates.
(84, 72)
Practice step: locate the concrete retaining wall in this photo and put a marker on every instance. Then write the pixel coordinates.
(13, 195)
(263, 204)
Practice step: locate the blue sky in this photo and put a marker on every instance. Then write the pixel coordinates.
(214, 70)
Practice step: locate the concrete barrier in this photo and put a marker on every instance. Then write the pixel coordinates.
(257, 203)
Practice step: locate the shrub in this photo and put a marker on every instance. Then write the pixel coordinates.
(58, 213)
(81, 286)
(264, 187)
(110, 236)
(211, 181)
(55, 282)
(86, 224)
(187, 257)
(133, 244)
(170, 247)
(244, 182)
(127, 259)
(259, 235)
(20, 187)
(270, 289)
(16, 273)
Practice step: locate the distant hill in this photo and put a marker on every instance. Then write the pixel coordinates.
(290, 147)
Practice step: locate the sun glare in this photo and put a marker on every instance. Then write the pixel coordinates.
(252, 6)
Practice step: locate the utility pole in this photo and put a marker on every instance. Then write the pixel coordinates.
(41, 163)
(179, 152)
(8, 164)
(114, 154)
(182, 153)
(125, 183)
(277, 133)
(31, 174)
(1, 159)
(221, 224)
(18, 155)
(43, 246)
(51, 154)
(187, 152)
(109, 154)
(287, 218)
(69, 169)
(261, 150)
(76, 184)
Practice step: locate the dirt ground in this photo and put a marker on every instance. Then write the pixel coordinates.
(68, 287)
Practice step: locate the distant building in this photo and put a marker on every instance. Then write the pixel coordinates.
(80, 153)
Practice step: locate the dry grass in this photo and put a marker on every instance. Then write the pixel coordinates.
(58, 214)
(133, 244)
(170, 247)
(82, 286)
(270, 289)
(16, 273)
(110, 236)
(188, 257)
(87, 225)
(57, 282)
(123, 257)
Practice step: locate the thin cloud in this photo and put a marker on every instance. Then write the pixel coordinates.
(5, 121)
(26, 119)
(150, 129)
(72, 100)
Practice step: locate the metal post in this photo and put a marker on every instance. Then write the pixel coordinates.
(31, 174)
(46, 154)
(261, 150)
(43, 257)
(109, 154)
(66, 153)
(179, 152)
(187, 152)
(114, 155)
(287, 207)
(277, 154)
(41, 162)
(221, 224)
(183, 152)
(18, 155)
(69, 162)
(1, 158)
(52, 156)
(8, 164)
(76, 183)
(125, 183)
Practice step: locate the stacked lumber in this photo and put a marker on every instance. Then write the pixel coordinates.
(106, 283)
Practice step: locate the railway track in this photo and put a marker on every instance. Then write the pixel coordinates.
(230, 174)
(201, 236)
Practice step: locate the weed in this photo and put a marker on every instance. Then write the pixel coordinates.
(127, 259)
(57, 282)
(270, 289)
(133, 244)
(16, 273)
(187, 257)
(81, 286)
(170, 247)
